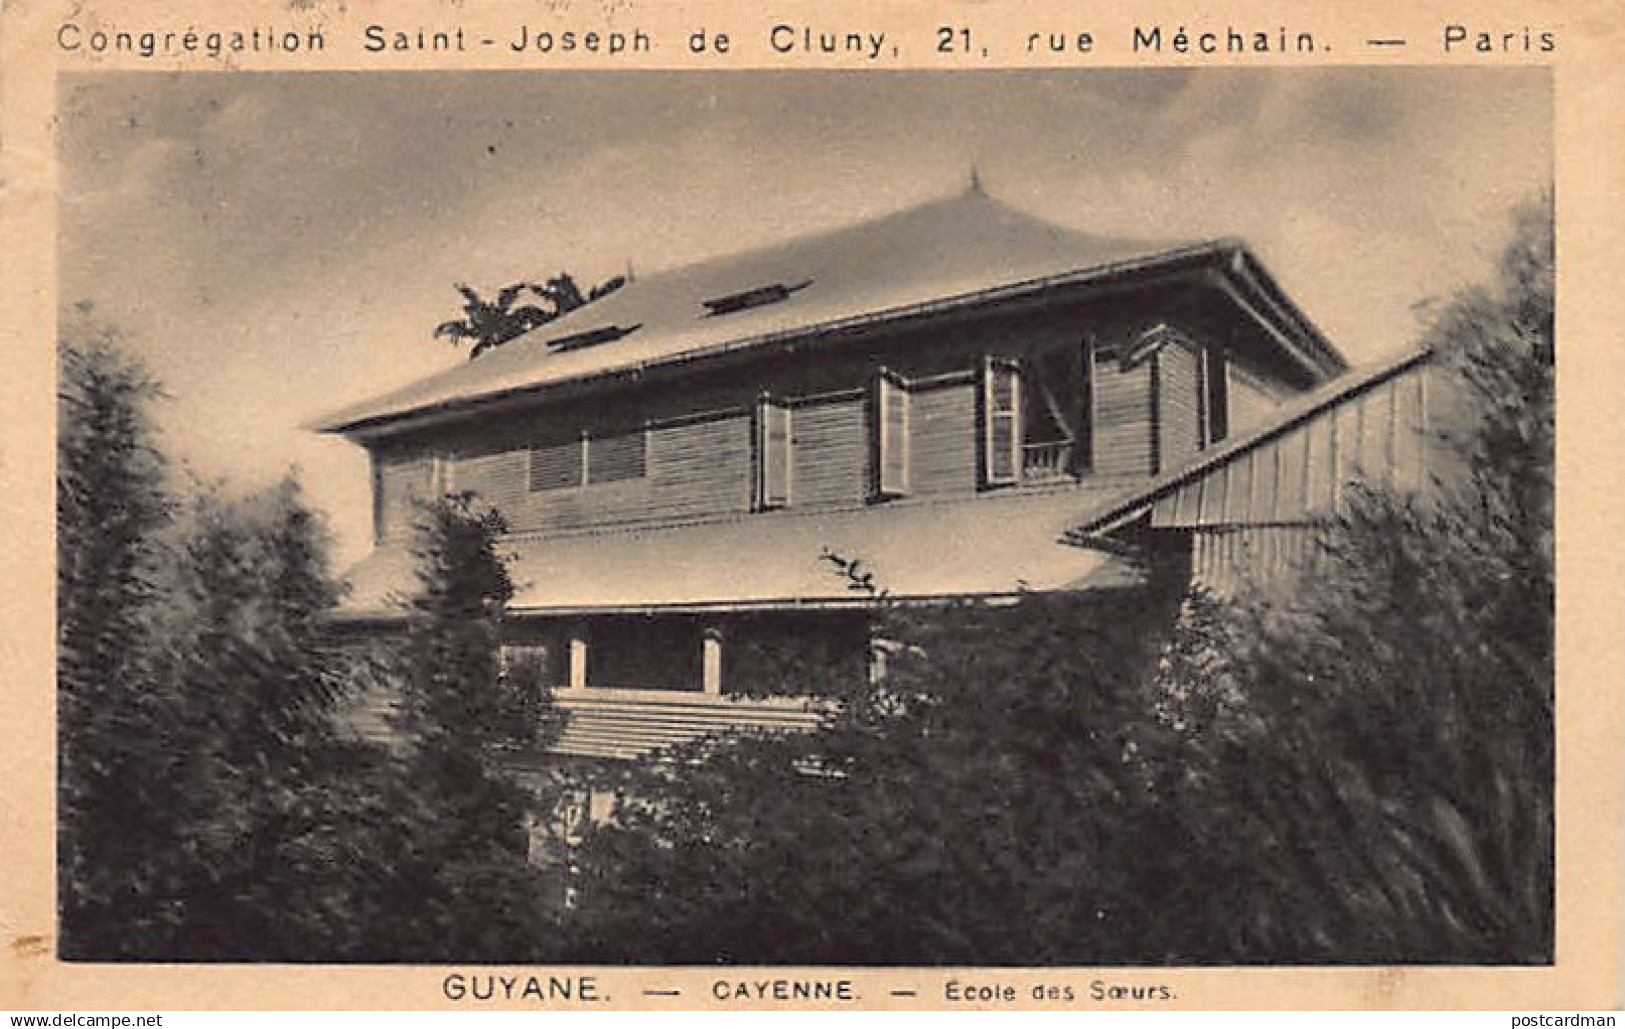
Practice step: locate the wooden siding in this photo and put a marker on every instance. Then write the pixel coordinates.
(1232, 560)
(402, 479)
(1179, 409)
(1124, 418)
(1375, 436)
(1251, 399)
(692, 468)
(699, 460)
(602, 725)
(614, 727)
(697, 468)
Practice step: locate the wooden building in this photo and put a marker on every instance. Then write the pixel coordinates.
(957, 394)
(1246, 510)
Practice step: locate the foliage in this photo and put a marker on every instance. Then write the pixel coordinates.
(1391, 799)
(453, 879)
(211, 806)
(110, 505)
(194, 694)
(491, 323)
(1360, 771)
(954, 813)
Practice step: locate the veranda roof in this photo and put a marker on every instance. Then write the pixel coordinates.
(991, 547)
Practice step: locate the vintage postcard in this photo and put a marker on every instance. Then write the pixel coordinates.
(567, 505)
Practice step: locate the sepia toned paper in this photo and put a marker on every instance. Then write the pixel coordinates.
(916, 101)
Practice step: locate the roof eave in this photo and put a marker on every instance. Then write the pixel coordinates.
(1277, 311)
(1243, 275)
(1098, 276)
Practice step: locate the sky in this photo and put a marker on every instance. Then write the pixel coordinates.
(275, 246)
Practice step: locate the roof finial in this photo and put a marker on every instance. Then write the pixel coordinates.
(976, 181)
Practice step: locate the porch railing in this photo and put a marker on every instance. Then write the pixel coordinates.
(1041, 462)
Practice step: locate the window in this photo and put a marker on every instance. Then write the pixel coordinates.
(592, 337)
(1001, 422)
(442, 478)
(538, 661)
(773, 449)
(747, 299)
(616, 457)
(1213, 396)
(890, 427)
(558, 464)
(610, 457)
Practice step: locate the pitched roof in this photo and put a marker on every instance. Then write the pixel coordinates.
(964, 249)
(996, 545)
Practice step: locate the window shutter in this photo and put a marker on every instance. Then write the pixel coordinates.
(442, 477)
(403, 481)
(772, 454)
(891, 445)
(556, 465)
(1001, 409)
(617, 456)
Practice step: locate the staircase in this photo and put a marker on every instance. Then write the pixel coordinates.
(625, 727)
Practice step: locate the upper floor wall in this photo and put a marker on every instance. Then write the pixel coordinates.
(1006, 400)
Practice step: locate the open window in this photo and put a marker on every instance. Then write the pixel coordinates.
(773, 450)
(890, 425)
(1213, 396)
(1037, 416)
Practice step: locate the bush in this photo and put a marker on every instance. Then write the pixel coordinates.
(1360, 772)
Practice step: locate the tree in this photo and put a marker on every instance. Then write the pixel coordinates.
(210, 808)
(451, 877)
(1408, 757)
(1358, 772)
(113, 795)
(491, 323)
(239, 651)
(976, 806)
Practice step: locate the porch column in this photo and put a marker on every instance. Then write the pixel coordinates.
(578, 657)
(711, 661)
(880, 649)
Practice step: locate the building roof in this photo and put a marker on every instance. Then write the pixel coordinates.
(935, 256)
(1367, 426)
(993, 546)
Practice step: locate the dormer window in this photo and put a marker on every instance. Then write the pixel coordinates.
(759, 297)
(592, 338)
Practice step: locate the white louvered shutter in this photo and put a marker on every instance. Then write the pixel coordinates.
(891, 449)
(772, 454)
(1001, 406)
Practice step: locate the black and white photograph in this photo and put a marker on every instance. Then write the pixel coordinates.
(910, 519)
